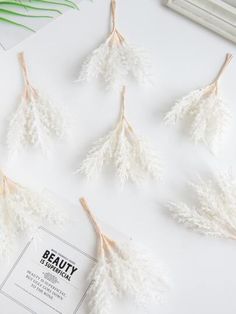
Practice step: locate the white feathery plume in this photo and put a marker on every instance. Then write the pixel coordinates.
(101, 291)
(36, 121)
(206, 111)
(115, 61)
(122, 271)
(6, 236)
(215, 211)
(23, 210)
(130, 154)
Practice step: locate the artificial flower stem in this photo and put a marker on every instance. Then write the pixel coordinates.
(85, 206)
(228, 225)
(29, 91)
(121, 38)
(8, 185)
(21, 58)
(122, 114)
(4, 186)
(227, 61)
(113, 15)
(109, 242)
(102, 242)
(115, 34)
(105, 241)
(213, 87)
(115, 37)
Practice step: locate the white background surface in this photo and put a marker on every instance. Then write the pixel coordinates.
(185, 56)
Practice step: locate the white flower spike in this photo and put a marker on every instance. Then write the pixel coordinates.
(115, 61)
(206, 111)
(23, 210)
(36, 121)
(131, 155)
(215, 211)
(122, 271)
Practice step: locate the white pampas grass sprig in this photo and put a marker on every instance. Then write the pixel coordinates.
(122, 270)
(22, 209)
(115, 61)
(36, 121)
(6, 237)
(206, 112)
(130, 154)
(215, 211)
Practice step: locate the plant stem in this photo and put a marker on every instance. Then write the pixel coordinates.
(91, 216)
(228, 59)
(105, 241)
(122, 113)
(8, 185)
(113, 14)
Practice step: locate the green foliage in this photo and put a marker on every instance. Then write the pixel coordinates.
(43, 9)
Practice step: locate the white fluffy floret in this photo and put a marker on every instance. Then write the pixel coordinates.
(35, 123)
(131, 156)
(215, 211)
(207, 114)
(116, 61)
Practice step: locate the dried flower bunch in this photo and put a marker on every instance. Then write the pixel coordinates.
(122, 271)
(206, 111)
(23, 210)
(130, 154)
(115, 60)
(36, 121)
(215, 213)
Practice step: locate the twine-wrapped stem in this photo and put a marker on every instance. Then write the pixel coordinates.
(214, 85)
(122, 110)
(113, 14)
(29, 91)
(7, 185)
(115, 36)
(105, 242)
(227, 61)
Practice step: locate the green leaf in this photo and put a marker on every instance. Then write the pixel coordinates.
(68, 4)
(23, 5)
(31, 5)
(24, 15)
(16, 24)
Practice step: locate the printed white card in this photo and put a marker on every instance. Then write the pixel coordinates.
(49, 276)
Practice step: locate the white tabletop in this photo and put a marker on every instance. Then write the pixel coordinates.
(185, 56)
